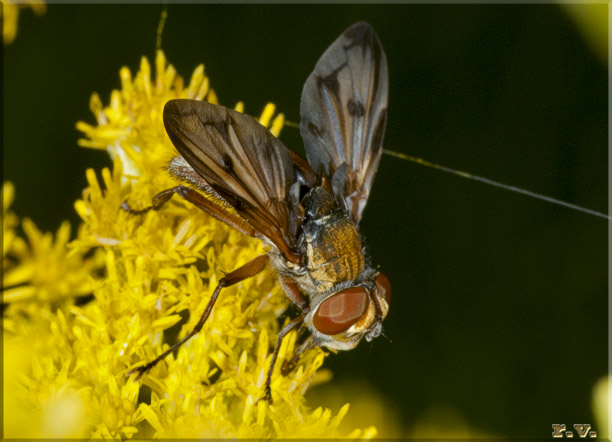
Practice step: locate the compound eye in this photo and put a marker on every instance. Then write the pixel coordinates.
(384, 286)
(340, 311)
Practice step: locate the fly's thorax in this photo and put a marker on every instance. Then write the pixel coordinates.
(318, 203)
(330, 241)
(333, 250)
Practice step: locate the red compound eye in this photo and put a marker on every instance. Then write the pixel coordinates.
(384, 286)
(340, 311)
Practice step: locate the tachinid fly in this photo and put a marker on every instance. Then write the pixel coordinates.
(307, 212)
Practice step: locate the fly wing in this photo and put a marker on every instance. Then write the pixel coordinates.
(344, 114)
(242, 162)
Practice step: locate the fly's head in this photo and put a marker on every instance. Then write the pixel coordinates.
(339, 318)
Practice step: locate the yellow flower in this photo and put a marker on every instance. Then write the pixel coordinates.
(10, 16)
(150, 277)
(47, 270)
(42, 279)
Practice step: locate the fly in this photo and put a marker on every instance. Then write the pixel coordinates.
(306, 210)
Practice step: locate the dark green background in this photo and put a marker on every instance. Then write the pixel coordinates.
(500, 301)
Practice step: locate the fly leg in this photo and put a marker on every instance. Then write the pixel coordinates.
(197, 199)
(281, 335)
(290, 364)
(248, 270)
(158, 201)
(293, 292)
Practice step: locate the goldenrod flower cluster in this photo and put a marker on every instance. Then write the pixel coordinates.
(80, 314)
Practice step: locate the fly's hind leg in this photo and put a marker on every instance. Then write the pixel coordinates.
(158, 201)
(246, 271)
(215, 210)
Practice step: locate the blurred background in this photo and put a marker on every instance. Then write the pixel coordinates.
(498, 322)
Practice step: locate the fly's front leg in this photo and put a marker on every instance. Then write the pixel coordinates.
(246, 271)
(293, 292)
(290, 364)
(281, 335)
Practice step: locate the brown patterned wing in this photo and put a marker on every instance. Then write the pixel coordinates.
(242, 162)
(344, 115)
